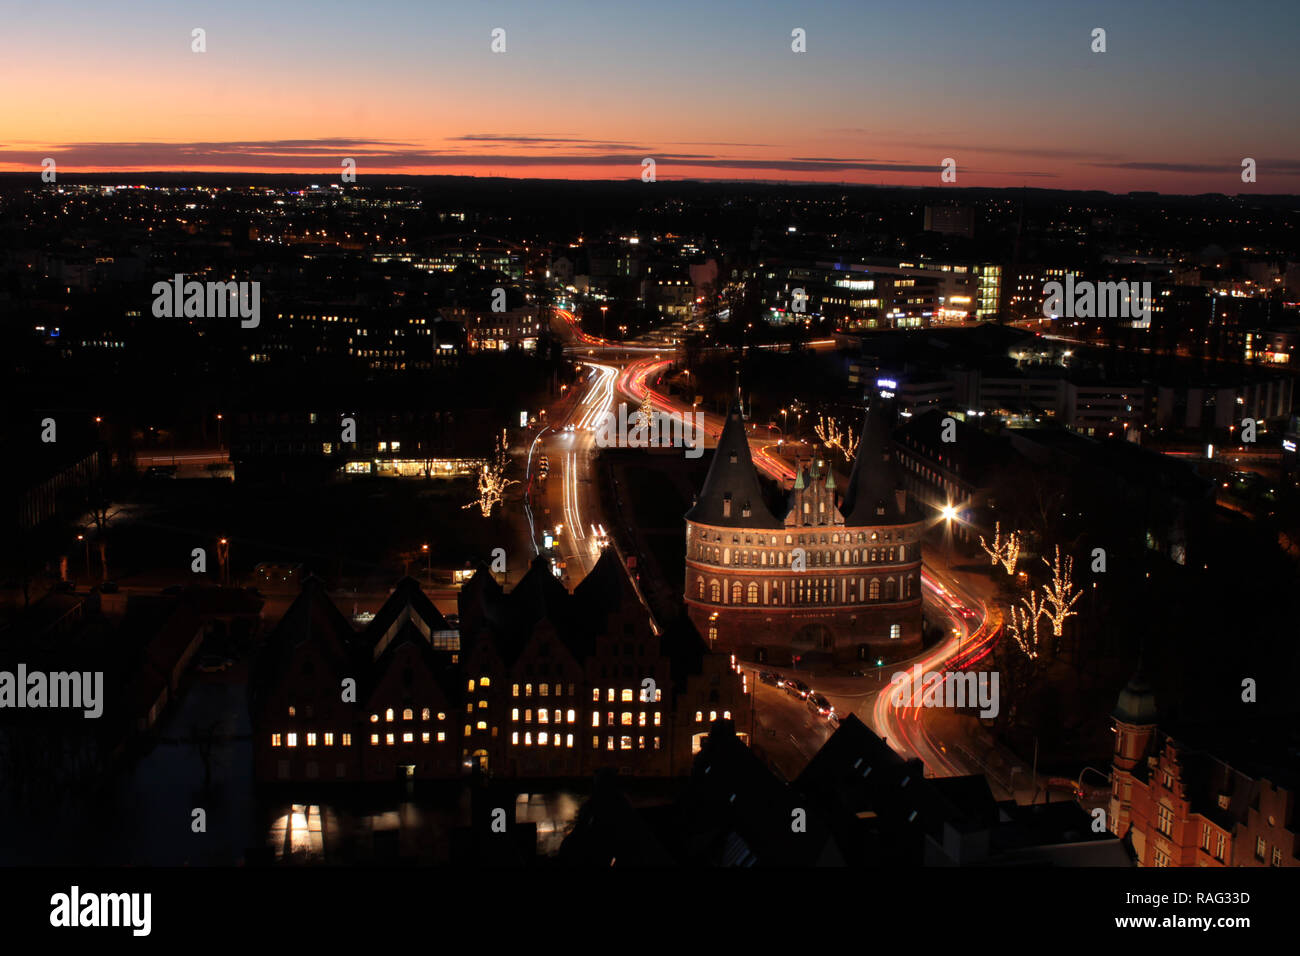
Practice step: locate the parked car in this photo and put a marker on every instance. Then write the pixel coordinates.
(820, 705)
(796, 688)
(769, 677)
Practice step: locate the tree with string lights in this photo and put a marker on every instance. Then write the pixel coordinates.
(491, 480)
(1005, 553)
(1061, 595)
(832, 436)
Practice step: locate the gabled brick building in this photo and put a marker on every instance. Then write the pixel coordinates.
(1179, 805)
(538, 682)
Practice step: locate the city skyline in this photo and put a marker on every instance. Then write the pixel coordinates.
(1013, 94)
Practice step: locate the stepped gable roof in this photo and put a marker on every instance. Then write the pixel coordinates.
(732, 473)
(607, 588)
(876, 475)
(312, 617)
(480, 602)
(726, 815)
(407, 603)
(511, 618)
(437, 662)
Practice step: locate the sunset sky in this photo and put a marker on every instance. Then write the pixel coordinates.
(709, 89)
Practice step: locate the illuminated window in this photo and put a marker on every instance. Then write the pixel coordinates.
(595, 718)
(544, 690)
(467, 730)
(408, 714)
(640, 743)
(469, 707)
(275, 740)
(570, 717)
(641, 719)
(442, 736)
(528, 739)
(609, 718)
(514, 713)
(656, 718)
(713, 715)
(374, 739)
(568, 741)
(484, 682)
(293, 740)
(542, 715)
(595, 743)
(658, 694)
(441, 715)
(347, 740)
(609, 743)
(374, 718)
(610, 696)
(514, 690)
(514, 738)
(311, 740)
(391, 739)
(471, 683)
(292, 710)
(625, 743)
(408, 738)
(726, 715)
(656, 743)
(595, 693)
(388, 714)
(699, 716)
(528, 690)
(424, 737)
(627, 696)
(541, 738)
(528, 716)
(424, 714)
(482, 725)
(627, 718)
(482, 705)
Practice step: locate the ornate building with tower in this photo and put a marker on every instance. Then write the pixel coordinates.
(837, 572)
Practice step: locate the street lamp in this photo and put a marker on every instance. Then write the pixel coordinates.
(82, 538)
(604, 328)
(218, 431)
(949, 513)
(428, 563)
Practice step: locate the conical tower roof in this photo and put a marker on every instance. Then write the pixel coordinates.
(1137, 702)
(871, 497)
(732, 473)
